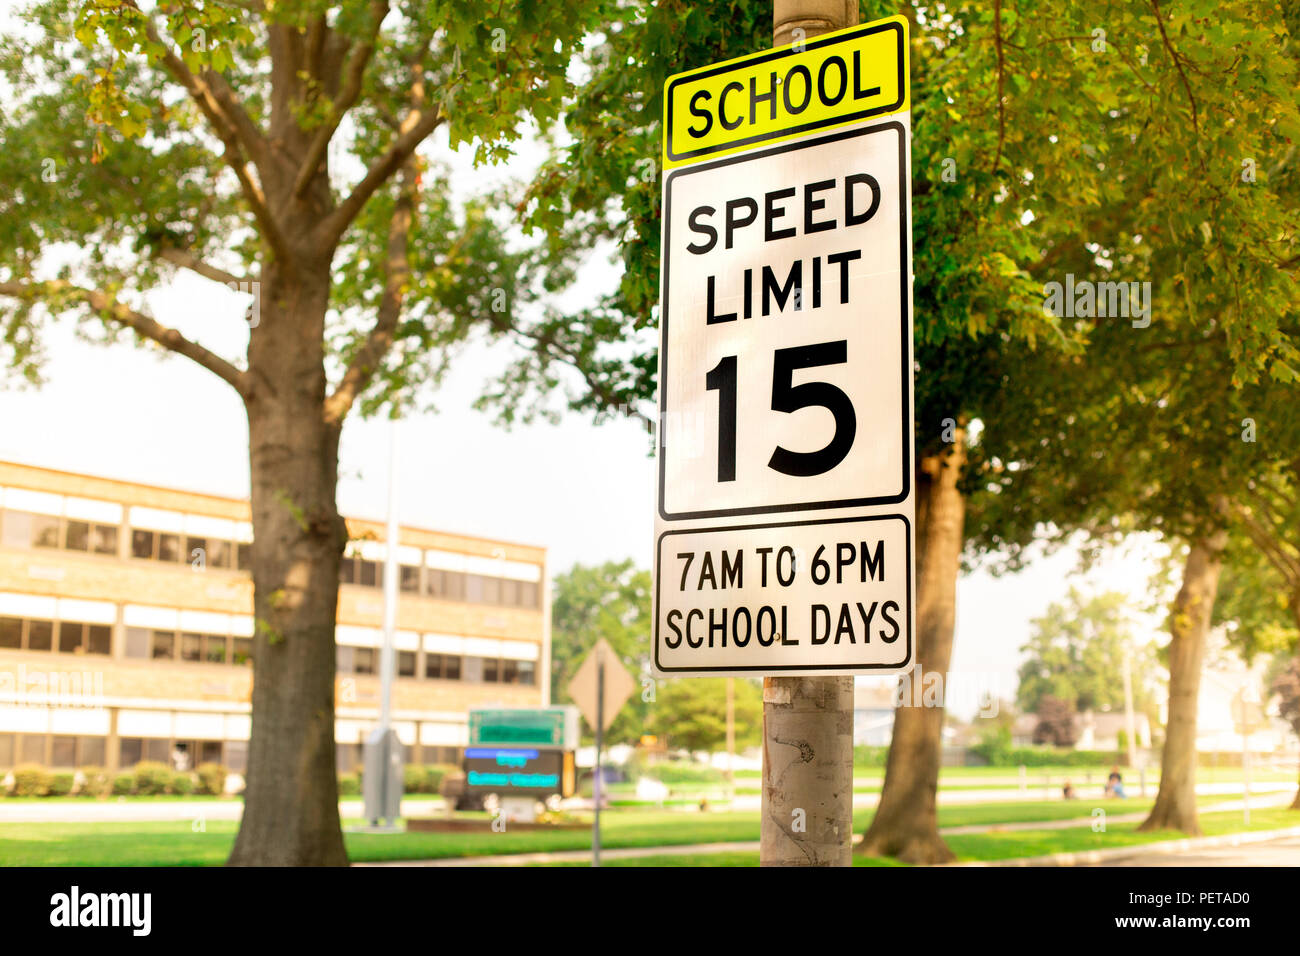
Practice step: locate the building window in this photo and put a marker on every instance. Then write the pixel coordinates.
(369, 574)
(130, 752)
(219, 554)
(32, 748)
(45, 531)
(99, 639)
(63, 751)
(71, 637)
(214, 649)
(11, 632)
(137, 642)
(472, 668)
(192, 647)
(444, 666)
(347, 757)
(20, 529)
(343, 659)
(16, 530)
(6, 751)
(448, 585)
(364, 660)
(163, 645)
(510, 592)
(209, 752)
(241, 650)
(169, 547)
(406, 663)
(76, 536)
(157, 749)
(40, 635)
(528, 594)
(410, 579)
(91, 751)
(236, 755)
(244, 557)
(104, 539)
(142, 544)
(528, 673)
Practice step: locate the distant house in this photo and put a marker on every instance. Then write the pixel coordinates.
(873, 712)
(1022, 730)
(1092, 730)
(1103, 731)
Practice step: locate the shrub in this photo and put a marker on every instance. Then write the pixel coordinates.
(434, 774)
(349, 785)
(866, 756)
(212, 778)
(61, 784)
(424, 778)
(31, 780)
(152, 778)
(123, 784)
(182, 784)
(683, 773)
(95, 782)
(413, 780)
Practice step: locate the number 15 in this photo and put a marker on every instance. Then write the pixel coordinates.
(788, 397)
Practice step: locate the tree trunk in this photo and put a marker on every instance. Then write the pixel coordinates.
(906, 824)
(291, 815)
(807, 802)
(1175, 806)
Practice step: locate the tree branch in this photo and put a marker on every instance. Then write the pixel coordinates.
(1002, 118)
(187, 261)
(569, 357)
(365, 363)
(110, 309)
(1173, 55)
(231, 124)
(1267, 542)
(347, 97)
(417, 126)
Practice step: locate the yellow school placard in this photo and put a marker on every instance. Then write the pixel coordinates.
(834, 80)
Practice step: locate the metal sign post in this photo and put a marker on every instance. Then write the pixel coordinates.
(599, 705)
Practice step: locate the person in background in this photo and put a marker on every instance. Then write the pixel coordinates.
(1115, 783)
(1068, 791)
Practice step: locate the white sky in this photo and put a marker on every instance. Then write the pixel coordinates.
(584, 492)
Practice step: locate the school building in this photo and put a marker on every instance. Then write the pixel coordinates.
(126, 628)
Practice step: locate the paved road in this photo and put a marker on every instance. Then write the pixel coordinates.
(1283, 852)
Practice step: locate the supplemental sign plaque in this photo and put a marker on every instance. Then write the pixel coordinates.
(784, 539)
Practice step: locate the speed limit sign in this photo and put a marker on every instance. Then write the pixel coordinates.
(784, 531)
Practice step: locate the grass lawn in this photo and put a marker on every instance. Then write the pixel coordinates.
(177, 844)
(1004, 846)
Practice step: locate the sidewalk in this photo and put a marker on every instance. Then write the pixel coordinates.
(696, 849)
(126, 810)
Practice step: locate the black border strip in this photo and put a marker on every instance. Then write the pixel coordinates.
(793, 130)
(905, 272)
(781, 669)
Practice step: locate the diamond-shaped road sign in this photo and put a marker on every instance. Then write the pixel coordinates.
(619, 684)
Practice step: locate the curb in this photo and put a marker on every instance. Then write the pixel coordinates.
(1089, 857)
